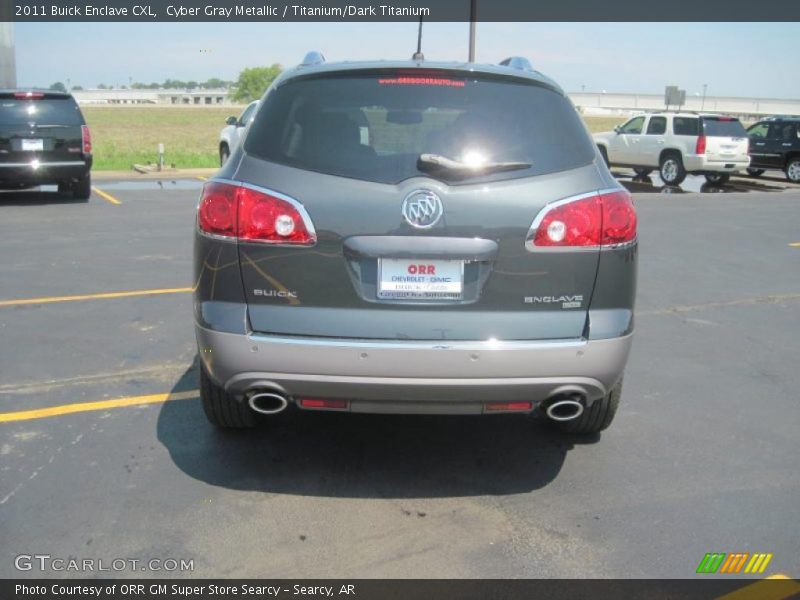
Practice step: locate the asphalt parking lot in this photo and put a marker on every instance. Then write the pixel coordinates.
(95, 306)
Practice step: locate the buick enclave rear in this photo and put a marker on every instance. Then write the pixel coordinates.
(415, 237)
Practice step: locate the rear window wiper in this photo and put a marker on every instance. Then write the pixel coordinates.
(432, 162)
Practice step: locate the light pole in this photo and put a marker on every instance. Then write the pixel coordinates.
(703, 102)
(472, 7)
(8, 65)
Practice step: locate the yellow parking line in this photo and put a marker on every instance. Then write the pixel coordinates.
(105, 195)
(65, 409)
(795, 244)
(774, 587)
(201, 178)
(105, 295)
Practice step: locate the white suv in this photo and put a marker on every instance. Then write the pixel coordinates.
(678, 144)
(232, 132)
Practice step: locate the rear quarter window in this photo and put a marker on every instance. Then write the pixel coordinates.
(686, 126)
(45, 111)
(374, 125)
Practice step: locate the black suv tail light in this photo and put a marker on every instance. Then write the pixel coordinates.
(86, 139)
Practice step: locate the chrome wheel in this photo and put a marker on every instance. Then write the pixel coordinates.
(793, 171)
(669, 170)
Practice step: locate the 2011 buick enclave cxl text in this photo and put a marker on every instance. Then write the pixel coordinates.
(415, 237)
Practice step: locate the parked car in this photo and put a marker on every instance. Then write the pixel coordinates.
(234, 128)
(44, 140)
(678, 144)
(775, 145)
(469, 254)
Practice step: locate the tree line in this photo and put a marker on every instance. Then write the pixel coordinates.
(249, 86)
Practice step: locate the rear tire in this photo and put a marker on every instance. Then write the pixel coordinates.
(755, 172)
(671, 169)
(595, 418)
(793, 169)
(82, 189)
(222, 409)
(224, 154)
(642, 172)
(717, 178)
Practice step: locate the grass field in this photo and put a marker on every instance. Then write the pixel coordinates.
(123, 135)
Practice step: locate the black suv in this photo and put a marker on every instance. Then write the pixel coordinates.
(775, 144)
(44, 140)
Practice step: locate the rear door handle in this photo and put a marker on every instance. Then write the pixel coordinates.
(789, 144)
(660, 141)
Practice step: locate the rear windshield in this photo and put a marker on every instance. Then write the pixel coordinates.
(723, 127)
(50, 111)
(375, 125)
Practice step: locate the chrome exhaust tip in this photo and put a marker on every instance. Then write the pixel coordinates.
(267, 403)
(565, 410)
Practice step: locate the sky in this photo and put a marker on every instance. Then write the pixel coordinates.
(732, 59)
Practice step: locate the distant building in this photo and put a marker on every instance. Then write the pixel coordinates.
(196, 97)
(626, 104)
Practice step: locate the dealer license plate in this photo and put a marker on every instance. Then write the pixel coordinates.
(420, 279)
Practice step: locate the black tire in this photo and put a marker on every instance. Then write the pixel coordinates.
(671, 169)
(222, 409)
(604, 154)
(82, 189)
(755, 172)
(595, 418)
(642, 172)
(224, 154)
(793, 169)
(717, 178)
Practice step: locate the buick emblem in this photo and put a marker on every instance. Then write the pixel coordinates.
(422, 209)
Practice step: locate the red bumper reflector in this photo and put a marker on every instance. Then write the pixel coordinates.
(506, 406)
(320, 403)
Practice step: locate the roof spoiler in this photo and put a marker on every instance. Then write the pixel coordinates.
(517, 62)
(313, 58)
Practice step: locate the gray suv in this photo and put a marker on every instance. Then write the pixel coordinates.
(415, 237)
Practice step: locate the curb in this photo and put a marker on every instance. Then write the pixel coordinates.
(155, 175)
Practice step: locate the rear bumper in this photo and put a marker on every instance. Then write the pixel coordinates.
(35, 173)
(384, 376)
(699, 163)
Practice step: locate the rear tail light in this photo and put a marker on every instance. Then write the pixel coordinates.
(700, 148)
(323, 403)
(235, 211)
(216, 213)
(28, 95)
(86, 139)
(602, 219)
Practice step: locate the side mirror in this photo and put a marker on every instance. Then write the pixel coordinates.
(617, 129)
(231, 121)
